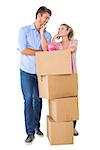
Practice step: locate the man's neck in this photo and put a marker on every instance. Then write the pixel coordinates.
(37, 25)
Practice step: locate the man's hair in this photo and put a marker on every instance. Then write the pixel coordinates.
(43, 10)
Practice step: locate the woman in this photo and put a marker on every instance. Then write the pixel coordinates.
(68, 42)
(66, 33)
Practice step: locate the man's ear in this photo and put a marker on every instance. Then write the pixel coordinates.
(39, 15)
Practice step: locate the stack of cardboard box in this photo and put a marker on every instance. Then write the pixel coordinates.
(59, 85)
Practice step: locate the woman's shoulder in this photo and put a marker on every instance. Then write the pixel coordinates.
(74, 41)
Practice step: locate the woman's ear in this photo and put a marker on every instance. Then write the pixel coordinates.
(69, 29)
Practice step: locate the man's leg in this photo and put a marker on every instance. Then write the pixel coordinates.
(37, 106)
(27, 90)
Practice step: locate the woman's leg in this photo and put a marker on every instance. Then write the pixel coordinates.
(75, 131)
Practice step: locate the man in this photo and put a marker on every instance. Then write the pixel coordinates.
(32, 39)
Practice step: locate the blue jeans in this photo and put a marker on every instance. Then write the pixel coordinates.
(32, 102)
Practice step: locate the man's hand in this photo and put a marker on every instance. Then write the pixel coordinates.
(29, 51)
(43, 27)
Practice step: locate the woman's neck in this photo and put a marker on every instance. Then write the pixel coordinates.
(65, 39)
(65, 42)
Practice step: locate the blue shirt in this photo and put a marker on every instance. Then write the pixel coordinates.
(29, 37)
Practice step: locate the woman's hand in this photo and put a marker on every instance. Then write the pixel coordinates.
(57, 36)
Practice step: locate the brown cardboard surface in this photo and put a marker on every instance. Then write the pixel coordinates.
(64, 109)
(59, 132)
(58, 86)
(56, 62)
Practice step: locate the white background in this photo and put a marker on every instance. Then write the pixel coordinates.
(83, 16)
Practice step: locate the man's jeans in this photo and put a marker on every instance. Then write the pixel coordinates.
(32, 102)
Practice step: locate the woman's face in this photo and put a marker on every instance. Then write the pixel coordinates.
(63, 31)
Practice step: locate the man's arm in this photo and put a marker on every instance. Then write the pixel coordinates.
(29, 51)
(43, 39)
(22, 42)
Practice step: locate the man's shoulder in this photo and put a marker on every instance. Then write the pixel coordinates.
(47, 33)
(26, 28)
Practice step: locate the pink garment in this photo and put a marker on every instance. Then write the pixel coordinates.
(73, 54)
(52, 46)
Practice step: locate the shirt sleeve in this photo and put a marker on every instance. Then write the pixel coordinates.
(22, 39)
(48, 37)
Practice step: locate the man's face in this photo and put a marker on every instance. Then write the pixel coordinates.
(43, 18)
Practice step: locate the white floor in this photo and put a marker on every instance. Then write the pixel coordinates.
(15, 134)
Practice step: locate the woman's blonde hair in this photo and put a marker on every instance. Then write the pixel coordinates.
(71, 32)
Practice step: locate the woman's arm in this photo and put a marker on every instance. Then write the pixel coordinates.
(73, 46)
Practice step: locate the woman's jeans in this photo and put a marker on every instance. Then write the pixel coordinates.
(32, 102)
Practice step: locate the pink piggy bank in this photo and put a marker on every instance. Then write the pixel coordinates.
(51, 46)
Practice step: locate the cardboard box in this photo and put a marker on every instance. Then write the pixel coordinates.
(59, 132)
(58, 86)
(56, 62)
(64, 109)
